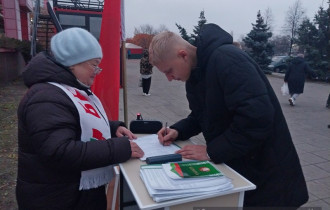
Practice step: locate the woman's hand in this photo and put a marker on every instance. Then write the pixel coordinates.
(122, 131)
(136, 150)
(194, 152)
(167, 137)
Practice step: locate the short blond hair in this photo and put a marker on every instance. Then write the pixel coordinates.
(162, 44)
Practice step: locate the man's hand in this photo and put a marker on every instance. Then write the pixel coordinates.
(122, 131)
(194, 152)
(171, 135)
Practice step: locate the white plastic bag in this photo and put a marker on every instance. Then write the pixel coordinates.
(285, 89)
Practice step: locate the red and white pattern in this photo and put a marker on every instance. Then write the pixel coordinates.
(94, 126)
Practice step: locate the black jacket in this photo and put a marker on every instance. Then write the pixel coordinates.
(235, 107)
(51, 155)
(296, 74)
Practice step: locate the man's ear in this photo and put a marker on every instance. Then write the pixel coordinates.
(182, 54)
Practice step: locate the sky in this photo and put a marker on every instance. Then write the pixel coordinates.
(234, 16)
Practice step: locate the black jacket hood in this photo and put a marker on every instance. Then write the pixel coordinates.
(44, 68)
(210, 37)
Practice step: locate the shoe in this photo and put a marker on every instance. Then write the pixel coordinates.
(147, 94)
(291, 101)
(144, 94)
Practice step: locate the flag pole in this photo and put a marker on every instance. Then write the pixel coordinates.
(124, 82)
(123, 59)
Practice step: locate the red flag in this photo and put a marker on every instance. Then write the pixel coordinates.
(106, 84)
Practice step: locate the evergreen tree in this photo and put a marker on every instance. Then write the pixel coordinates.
(197, 28)
(261, 49)
(307, 36)
(183, 32)
(313, 38)
(321, 20)
(328, 51)
(192, 38)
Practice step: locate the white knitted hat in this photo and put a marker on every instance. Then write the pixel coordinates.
(75, 45)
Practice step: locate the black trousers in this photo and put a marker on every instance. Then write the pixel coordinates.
(146, 85)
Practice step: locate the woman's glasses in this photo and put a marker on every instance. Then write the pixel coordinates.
(97, 69)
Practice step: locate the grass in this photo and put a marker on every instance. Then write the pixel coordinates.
(10, 96)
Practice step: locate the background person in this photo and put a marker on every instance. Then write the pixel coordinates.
(146, 72)
(237, 44)
(233, 104)
(295, 77)
(66, 143)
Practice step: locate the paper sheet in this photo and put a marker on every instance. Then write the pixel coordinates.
(158, 179)
(151, 146)
(162, 188)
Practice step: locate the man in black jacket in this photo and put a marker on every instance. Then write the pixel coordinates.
(236, 109)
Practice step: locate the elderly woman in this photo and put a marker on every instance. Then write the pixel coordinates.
(66, 142)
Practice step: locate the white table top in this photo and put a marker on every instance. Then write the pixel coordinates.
(131, 172)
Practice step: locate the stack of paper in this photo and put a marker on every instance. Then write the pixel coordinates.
(183, 179)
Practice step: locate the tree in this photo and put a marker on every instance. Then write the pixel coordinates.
(144, 33)
(294, 16)
(142, 40)
(313, 39)
(257, 41)
(161, 28)
(183, 32)
(269, 18)
(328, 53)
(192, 38)
(306, 36)
(321, 20)
(281, 44)
(197, 28)
(145, 29)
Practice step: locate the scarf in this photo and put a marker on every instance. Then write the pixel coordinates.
(94, 126)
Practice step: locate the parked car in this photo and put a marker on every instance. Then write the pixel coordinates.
(279, 64)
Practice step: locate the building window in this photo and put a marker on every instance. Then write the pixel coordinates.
(95, 26)
(76, 20)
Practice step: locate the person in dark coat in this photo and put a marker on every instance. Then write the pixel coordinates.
(295, 77)
(66, 144)
(233, 104)
(146, 72)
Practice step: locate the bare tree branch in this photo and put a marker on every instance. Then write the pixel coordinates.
(293, 19)
(269, 18)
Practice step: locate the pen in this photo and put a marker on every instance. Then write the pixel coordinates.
(165, 133)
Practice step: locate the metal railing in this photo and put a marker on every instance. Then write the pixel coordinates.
(91, 5)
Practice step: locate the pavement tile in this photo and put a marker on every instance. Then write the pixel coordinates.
(307, 147)
(324, 166)
(327, 200)
(319, 188)
(312, 173)
(318, 203)
(323, 154)
(311, 158)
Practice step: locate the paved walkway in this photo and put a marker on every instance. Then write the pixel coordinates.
(307, 121)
